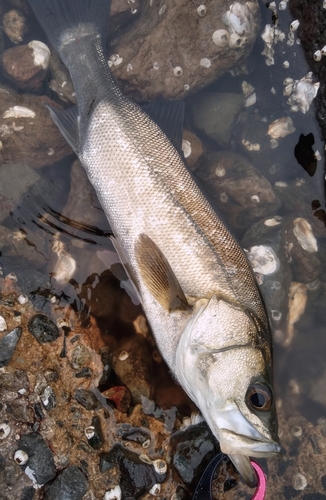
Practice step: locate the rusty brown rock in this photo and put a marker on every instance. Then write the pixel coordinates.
(169, 50)
(242, 195)
(28, 134)
(26, 65)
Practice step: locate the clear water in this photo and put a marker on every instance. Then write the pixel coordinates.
(38, 215)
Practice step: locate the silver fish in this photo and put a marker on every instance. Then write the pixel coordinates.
(194, 281)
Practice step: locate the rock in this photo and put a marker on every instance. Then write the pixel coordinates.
(28, 134)
(242, 195)
(216, 114)
(13, 382)
(139, 436)
(39, 465)
(71, 484)
(8, 345)
(264, 243)
(134, 357)
(43, 329)
(136, 475)
(48, 398)
(94, 434)
(122, 13)
(146, 67)
(193, 448)
(192, 148)
(26, 65)
(80, 356)
(302, 248)
(14, 25)
(120, 396)
(87, 399)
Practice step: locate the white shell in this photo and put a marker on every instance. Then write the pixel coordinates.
(20, 457)
(323, 51)
(221, 38)
(4, 431)
(3, 324)
(236, 41)
(123, 356)
(160, 466)
(205, 62)
(155, 490)
(302, 230)
(263, 260)
(89, 431)
(317, 55)
(286, 64)
(177, 71)
(201, 10)
(113, 494)
(41, 53)
(23, 299)
(186, 148)
(281, 127)
(294, 25)
(299, 482)
(282, 5)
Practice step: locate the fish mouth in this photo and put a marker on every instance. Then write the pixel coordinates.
(239, 448)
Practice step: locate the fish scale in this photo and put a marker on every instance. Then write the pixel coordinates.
(196, 286)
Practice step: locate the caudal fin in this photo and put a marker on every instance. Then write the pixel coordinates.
(58, 17)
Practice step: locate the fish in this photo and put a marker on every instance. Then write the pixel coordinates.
(192, 277)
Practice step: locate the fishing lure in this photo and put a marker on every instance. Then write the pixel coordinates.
(204, 487)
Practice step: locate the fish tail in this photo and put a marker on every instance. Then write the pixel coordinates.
(66, 20)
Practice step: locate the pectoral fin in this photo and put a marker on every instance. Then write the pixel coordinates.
(158, 275)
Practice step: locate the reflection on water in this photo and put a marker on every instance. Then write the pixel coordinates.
(53, 232)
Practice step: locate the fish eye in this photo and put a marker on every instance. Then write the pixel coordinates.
(259, 397)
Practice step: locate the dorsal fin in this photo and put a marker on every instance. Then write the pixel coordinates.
(169, 116)
(158, 275)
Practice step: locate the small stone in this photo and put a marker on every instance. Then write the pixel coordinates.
(48, 398)
(87, 399)
(71, 484)
(43, 329)
(14, 24)
(20, 410)
(13, 381)
(94, 434)
(80, 357)
(40, 464)
(120, 396)
(8, 345)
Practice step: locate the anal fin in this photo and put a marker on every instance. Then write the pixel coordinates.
(158, 276)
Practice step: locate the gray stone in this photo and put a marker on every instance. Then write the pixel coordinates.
(8, 345)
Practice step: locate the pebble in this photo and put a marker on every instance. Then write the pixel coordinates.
(136, 477)
(14, 25)
(80, 357)
(8, 345)
(71, 484)
(43, 329)
(48, 398)
(94, 434)
(193, 448)
(87, 399)
(120, 396)
(40, 464)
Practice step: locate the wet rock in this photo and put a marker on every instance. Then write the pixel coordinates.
(14, 24)
(122, 13)
(87, 399)
(139, 436)
(241, 194)
(80, 356)
(39, 465)
(8, 345)
(94, 434)
(60, 81)
(137, 476)
(30, 119)
(120, 396)
(14, 382)
(26, 65)
(71, 484)
(265, 250)
(134, 357)
(43, 329)
(193, 448)
(28, 493)
(216, 114)
(48, 398)
(192, 58)
(192, 148)
(20, 411)
(302, 249)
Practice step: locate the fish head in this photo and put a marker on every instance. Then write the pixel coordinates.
(223, 361)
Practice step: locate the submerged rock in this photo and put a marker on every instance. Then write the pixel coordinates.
(8, 345)
(71, 484)
(242, 195)
(43, 329)
(14, 25)
(194, 56)
(35, 457)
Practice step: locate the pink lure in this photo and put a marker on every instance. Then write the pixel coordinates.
(261, 488)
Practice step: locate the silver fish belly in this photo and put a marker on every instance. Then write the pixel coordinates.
(195, 283)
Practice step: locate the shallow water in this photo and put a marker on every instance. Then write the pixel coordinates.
(51, 234)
